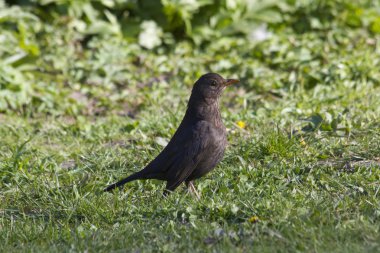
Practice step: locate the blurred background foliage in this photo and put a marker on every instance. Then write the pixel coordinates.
(67, 57)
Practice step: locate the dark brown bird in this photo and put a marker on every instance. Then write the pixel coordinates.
(198, 144)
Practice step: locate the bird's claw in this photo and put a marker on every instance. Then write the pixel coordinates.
(192, 190)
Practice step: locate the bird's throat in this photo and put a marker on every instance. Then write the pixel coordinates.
(205, 110)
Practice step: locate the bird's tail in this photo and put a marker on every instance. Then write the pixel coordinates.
(123, 181)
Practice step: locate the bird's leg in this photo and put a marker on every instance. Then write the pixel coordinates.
(192, 190)
(166, 193)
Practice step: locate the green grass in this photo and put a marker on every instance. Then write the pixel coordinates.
(80, 110)
(51, 198)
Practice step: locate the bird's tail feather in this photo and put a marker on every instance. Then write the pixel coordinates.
(123, 181)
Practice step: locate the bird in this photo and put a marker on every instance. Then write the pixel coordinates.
(198, 144)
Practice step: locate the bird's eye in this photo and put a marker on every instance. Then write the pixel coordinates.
(213, 83)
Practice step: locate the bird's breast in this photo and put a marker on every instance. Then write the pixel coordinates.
(218, 136)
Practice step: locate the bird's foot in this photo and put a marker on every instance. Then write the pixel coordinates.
(192, 190)
(166, 193)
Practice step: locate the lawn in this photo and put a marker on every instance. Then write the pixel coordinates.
(92, 91)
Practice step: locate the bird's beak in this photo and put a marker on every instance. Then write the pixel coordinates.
(231, 81)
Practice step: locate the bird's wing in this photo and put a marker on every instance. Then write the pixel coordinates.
(180, 157)
(193, 145)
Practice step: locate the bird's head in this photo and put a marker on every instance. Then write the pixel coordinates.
(211, 85)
